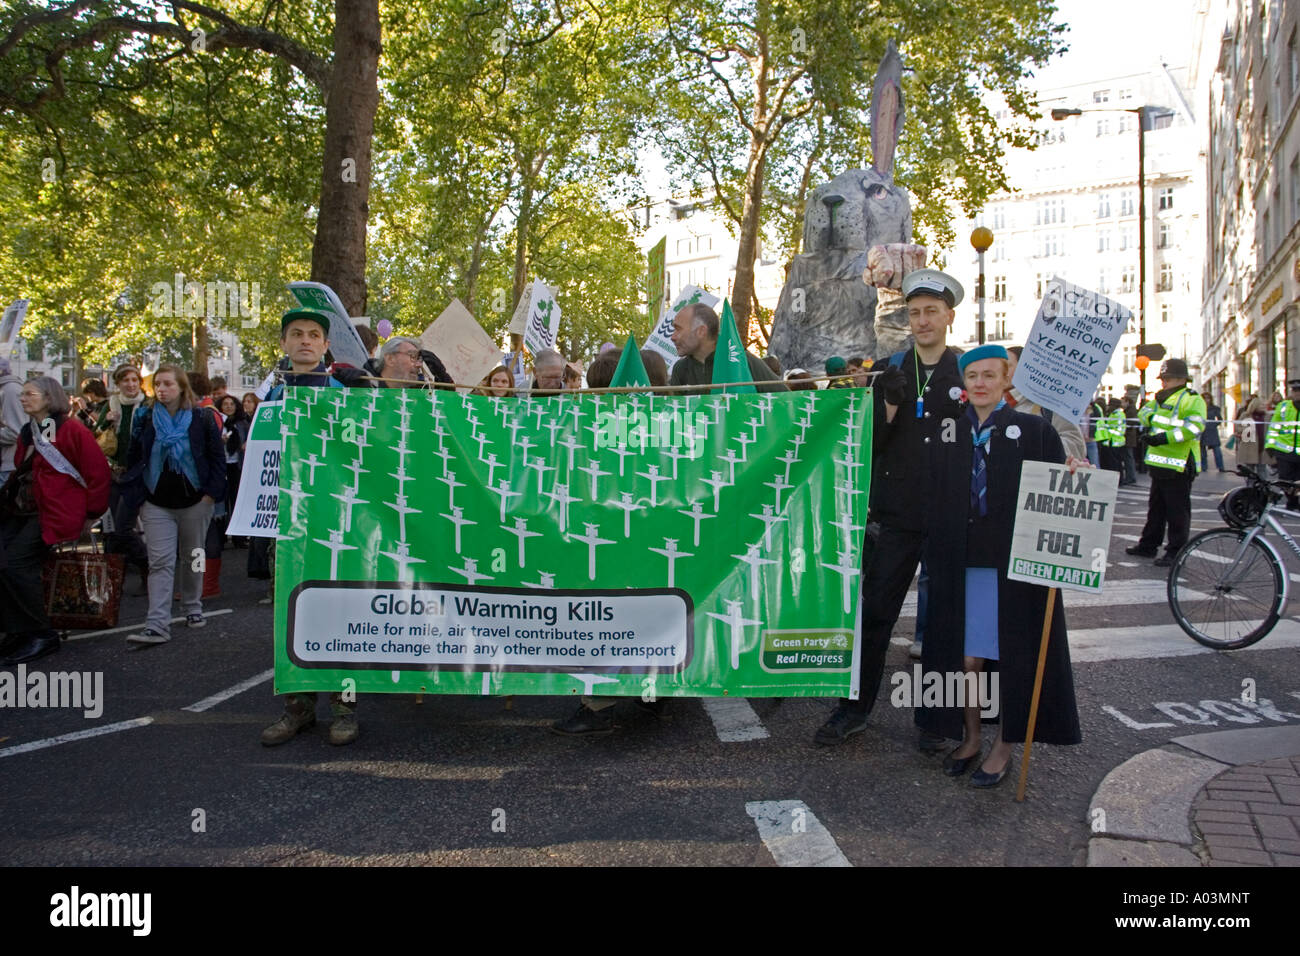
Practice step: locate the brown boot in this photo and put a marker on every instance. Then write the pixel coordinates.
(212, 578)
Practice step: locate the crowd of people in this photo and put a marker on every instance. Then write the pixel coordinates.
(165, 469)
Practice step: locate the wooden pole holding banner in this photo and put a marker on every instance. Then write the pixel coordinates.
(1038, 689)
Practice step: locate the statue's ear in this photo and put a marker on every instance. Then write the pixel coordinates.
(887, 112)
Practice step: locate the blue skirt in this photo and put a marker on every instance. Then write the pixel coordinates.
(982, 613)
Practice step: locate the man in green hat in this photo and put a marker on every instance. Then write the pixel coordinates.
(304, 337)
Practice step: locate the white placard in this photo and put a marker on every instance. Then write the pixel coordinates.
(1062, 531)
(661, 339)
(462, 345)
(1069, 348)
(10, 323)
(257, 508)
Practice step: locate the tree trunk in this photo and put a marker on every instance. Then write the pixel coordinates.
(521, 241)
(742, 290)
(199, 339)
(338, 257)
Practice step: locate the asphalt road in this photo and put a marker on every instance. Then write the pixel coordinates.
(469, 780)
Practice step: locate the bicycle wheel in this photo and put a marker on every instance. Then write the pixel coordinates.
(1221, 604)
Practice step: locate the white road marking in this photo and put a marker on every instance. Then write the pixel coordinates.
(137, 627)
(207, 703)
(1128, 592)
(76, 735)
(733, 719)
(793, 834)
(1162, 640)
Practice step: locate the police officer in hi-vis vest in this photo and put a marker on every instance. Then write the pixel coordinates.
(1172, 423)
(1283, 438)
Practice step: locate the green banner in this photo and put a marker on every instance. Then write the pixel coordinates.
(432, 542)
(656, 260)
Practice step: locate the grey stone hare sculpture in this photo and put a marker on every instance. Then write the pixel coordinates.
(825, 307)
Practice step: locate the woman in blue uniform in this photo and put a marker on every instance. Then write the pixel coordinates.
(978, 619)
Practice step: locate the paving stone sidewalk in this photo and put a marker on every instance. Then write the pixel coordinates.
(1250, 815)
(1225, 798)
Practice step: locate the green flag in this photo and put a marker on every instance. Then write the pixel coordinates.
(730, 364)
(631, 370)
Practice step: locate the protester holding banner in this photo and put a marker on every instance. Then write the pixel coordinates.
(917, 391)
(695, 336)
(498, 382)
(59, 488)
(304, 337)
(1172, 423)
(976, 613)
(548, 371)
(177, 452)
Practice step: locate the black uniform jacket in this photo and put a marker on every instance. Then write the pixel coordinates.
(1020, 606)
(908, 452)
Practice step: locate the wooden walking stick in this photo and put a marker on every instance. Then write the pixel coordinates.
(1038, 689)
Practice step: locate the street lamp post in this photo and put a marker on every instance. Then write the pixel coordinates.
(1140, 111)
(981, 239)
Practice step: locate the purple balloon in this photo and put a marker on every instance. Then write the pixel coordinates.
(384, 328)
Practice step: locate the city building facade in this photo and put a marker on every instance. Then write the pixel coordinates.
(1251, 287)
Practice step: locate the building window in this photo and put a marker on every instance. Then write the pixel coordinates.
(1266, 236)
(1126, 93)
(1126, 280)
(1293, 63)
(1101, 96)
(1103, 206)
(1103, 126)
(1162, 240)
(1165, 197)
(1126, 203)
(1130, 353)
(1050, 212)
(1166, 283)
(1103, 240)
(1049, 244)
(1125, 124)
(1295, 188)
(1103, 281)
(1040, 283)
(1000, 289)
(999, 217)
(1000, 327)
(1128, 238)
(1164, 312)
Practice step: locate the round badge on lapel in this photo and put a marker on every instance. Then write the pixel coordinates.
(955, 393)
(1013, 431)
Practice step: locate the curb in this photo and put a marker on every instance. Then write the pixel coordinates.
(1142, 813)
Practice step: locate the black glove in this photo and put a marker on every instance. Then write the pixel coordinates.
(893, 386)
(1157, 438)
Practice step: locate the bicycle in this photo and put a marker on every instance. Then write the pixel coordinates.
(1228, 587)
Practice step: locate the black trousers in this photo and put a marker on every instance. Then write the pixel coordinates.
(1169, 504)
(125, 540)
(22, 596)
(889, 563)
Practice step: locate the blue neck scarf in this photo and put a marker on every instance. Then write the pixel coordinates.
(171, 445)
(979, 476)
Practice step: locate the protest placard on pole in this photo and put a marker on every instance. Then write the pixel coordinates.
(460, 342)
(1069, 347)
(661, 339)
(1060, 539)
(345, 343)
(655, 261)
(257, 508)
(10, 323)
(543, 324)
(1062, 530)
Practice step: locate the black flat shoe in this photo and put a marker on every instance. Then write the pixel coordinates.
(956, 766)
(985, 780)
(36, 646)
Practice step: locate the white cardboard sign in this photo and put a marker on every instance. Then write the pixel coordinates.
(1062, 531)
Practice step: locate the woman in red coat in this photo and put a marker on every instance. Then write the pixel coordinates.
(67, 480)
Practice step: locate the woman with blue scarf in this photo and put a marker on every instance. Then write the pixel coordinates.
(982, 626)
(176, 448)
